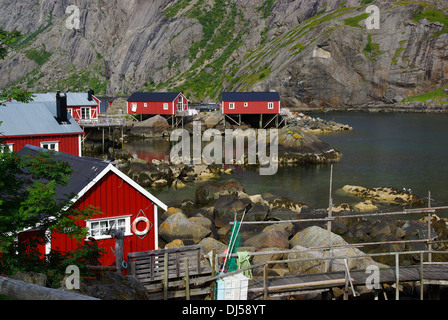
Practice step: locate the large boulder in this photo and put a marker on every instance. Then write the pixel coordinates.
(298, 146)
(318, 237)
(227, 206)
(209, 192)
(114, 286)
(275, 235)
(178, 226)
(153, 127)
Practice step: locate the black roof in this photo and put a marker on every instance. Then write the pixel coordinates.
(84, 170)
(250, 96)
(153, 96)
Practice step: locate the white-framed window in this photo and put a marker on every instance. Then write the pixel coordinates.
(165, 106)
(98, 228)
(246, 104)
(231, 105)
(85, 113)
(134, 107)
(270, 105)
(50, 145)
(180, 103)
(145, 105)
(70, 111)
(5, 146)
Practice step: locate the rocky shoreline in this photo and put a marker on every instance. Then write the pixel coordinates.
(207, 220)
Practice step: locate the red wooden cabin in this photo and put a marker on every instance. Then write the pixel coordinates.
(124, 204)
(162, 103)
(250, 103)
(42, 124)
(80, 105)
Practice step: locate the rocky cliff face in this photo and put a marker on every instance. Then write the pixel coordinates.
(314, 52)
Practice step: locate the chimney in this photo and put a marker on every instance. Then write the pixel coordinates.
(90, 94)
(61, 107)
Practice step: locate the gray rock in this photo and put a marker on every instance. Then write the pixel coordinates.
(313, 61)
(178, 226)
(113, 286)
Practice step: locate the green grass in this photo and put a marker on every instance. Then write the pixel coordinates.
(354, 21)
(372, 50)
(172, 11)
(266, 8)
(436, 95)
(433, 16)
(38, 56)
(31, 37)
(83, 81)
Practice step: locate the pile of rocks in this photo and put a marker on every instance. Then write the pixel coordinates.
(315, 125)
(207, 220)
(386, 195)
(159, 174)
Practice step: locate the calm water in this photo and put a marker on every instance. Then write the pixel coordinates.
(384, 149)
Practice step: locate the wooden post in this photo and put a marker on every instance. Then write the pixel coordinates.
(187, 280)
(118, 235)
(421, 275)
(103, 139)
(330, 213)
(165, 276)
(397, 277)
(429, 229)
(265, 281)
(213, 263)
(132, 268)
(261, 121)
(239, 119)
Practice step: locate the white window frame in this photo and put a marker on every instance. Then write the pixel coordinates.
(246, 104)
(180, 103)
(48, 144)
(107, 223)
(87, 115)
(134, 107)
(145, 104)
(232, 105)
(165, 106)
(270, 105)
(10, 146)
(70, 111)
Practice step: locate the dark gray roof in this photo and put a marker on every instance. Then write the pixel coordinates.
(153, 96)
(33, 119)
(250, 96)
(84, 170)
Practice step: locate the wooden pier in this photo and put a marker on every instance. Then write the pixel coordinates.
(348, 280)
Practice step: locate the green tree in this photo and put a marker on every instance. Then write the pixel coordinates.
(28, 199)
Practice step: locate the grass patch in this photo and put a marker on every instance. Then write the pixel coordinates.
(438, 95)
(83, 81)
(372, 50)
(266, 8)
(354, 21)
(433, 16)
(172, 11)
(31, 37)
(38, 56)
